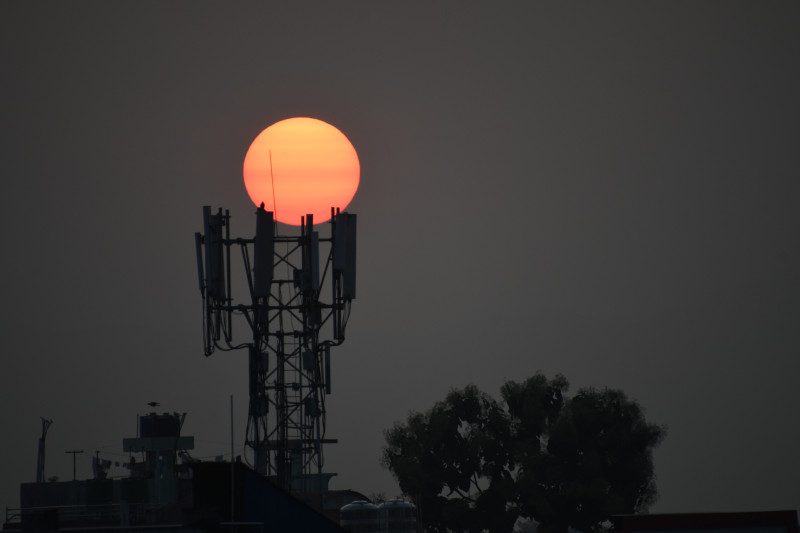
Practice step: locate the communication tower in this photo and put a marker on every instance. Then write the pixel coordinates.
(300, 292)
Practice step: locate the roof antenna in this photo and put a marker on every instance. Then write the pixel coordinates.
(40, 457)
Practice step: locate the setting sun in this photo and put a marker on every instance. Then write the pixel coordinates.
(299, 166)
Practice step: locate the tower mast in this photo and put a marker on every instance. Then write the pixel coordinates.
(292, 325)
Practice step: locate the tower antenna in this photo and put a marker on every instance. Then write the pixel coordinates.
(293, 326)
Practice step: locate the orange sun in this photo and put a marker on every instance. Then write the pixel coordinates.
(301, 166)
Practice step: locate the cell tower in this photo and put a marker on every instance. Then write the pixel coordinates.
(292, 326)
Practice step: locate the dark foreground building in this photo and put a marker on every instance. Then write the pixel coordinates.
(751, 522)
(200, 501)
(165, 494)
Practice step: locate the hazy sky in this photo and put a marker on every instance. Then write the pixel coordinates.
(603, 190)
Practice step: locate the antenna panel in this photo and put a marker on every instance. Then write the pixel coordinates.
(309, 276)
(315, 260)
(198, 244)
(340, 243)
(215, 286)
(263, 253)
(309, 360)
(344, 253)
(327, 369)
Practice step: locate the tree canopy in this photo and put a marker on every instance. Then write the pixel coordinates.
(472, 463)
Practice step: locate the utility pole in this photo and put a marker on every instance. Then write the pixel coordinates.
(74, 453)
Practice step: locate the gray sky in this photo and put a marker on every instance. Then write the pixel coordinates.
(603, 190)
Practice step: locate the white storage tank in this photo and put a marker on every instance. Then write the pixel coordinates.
(399, 516)
(360, 517)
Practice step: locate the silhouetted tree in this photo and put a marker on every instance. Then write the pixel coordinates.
(473, 464)
(454, 460)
